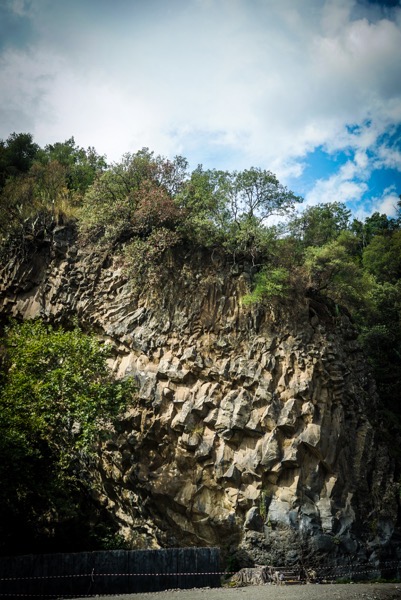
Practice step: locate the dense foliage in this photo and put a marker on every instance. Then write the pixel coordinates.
(145, 206)
(56, 398)
(39, 187)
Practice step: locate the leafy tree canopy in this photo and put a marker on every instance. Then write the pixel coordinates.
(382, 257)
(333, 272)
(81, 166)
(231, 208)
(59, 384)
(320, 224)
(133, 196)
(17, 154)
(256, 193)
(57, 395)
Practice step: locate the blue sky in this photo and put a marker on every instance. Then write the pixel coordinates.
(309, 89)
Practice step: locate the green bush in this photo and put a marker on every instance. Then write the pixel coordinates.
(270, 284)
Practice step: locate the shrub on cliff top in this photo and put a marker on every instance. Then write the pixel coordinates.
(132, 198)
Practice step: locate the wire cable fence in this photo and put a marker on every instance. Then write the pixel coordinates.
(86, 575)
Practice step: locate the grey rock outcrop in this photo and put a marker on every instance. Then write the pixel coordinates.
(250, 429)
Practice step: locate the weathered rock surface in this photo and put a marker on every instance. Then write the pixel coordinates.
(251, 428)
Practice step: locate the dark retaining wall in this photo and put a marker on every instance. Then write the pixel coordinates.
(108, 572)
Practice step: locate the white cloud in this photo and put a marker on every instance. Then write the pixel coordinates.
(385, 203)
(343, 186)
(25, 83)
(388, 157)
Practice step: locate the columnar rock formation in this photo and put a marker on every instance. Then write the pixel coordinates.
(253, 429)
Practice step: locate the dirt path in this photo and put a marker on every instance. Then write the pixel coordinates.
(360, 591)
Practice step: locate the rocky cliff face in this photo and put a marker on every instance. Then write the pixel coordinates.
(253, 429)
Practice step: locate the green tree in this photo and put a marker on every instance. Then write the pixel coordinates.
(376, 224)
(132, 197)
(230, 209)
(57, 396)
(17, 154)
(81, 166)
(381, 339)
(382, 257)
(257, 194)
(204, 200)
(252, 196)
(320, 224)
(251, 240)
(334, 273)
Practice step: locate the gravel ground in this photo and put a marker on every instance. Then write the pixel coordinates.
(360, 591)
